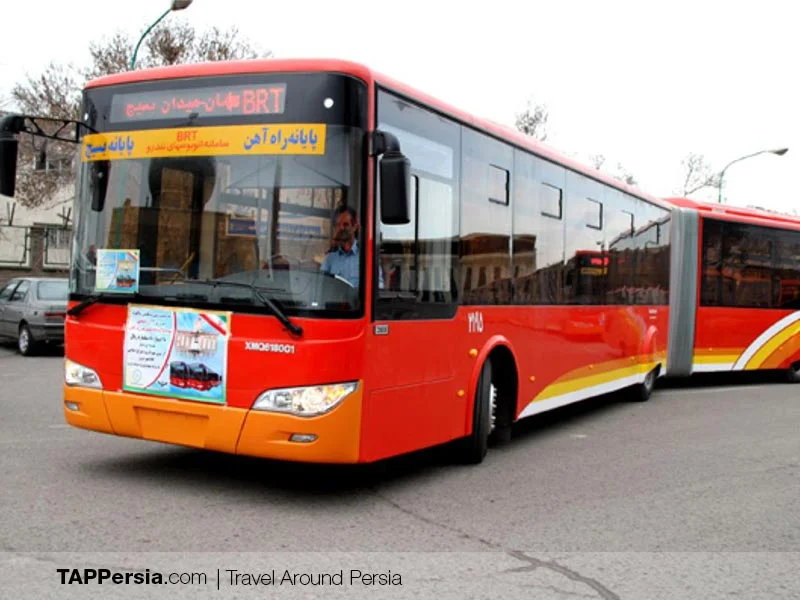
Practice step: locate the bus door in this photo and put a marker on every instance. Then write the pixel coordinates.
(410, 357)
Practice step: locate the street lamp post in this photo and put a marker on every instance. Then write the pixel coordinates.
(779, 152)
(175, 5)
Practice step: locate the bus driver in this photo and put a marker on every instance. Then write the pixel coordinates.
(342, 258)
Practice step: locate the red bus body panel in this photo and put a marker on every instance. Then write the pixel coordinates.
(741, 339)
(402, 408)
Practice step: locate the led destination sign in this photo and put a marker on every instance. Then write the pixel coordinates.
(240, 100)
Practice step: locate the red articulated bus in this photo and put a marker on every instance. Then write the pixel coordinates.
(740, 286)
(366, 270)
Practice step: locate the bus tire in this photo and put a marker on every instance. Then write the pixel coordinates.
(793, 373)
(474, 447)
(641, 392)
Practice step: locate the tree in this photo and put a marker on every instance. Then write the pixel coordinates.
(170, 45)
(698, 174)
(56, 92)
(598, 160)
(624, 175)
(109, 56)
(533, 121)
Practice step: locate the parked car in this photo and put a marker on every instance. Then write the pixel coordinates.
(32, 311)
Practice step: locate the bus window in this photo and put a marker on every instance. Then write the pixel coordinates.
(419, 260)
(486, 218)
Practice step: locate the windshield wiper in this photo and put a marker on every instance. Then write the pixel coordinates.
(94, 298)
(265, 300)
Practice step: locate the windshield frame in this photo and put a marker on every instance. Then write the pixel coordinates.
(349, 110)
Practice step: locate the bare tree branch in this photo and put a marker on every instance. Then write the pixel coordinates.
(56, 92)
(533, 121)
(111, 56)
(698, 174)
(217, 45)
(169, 45)
(597, 161)
(624, 175)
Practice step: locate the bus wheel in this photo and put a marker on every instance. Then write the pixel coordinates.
(641, 392)
(793, 373)
(473, 448)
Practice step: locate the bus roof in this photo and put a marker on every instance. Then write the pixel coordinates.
(277, 65)
(750, 215)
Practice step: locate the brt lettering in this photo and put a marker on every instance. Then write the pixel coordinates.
(262, 100)
(187, 136)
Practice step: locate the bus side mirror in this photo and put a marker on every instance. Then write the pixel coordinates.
(8, 163)
(395, 172)
(10, 126)
(98, 174)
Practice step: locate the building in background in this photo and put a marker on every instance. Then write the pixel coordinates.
(35, 241)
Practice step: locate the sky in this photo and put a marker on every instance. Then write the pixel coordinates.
(642, 83)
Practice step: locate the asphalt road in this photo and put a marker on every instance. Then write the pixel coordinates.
(695, 494)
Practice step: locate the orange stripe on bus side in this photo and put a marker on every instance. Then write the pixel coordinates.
(783, 354)
(785, 337)
(587, 377)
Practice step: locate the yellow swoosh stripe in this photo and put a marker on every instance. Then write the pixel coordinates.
(790, 351)
(573, 384)
(772, 346)
(715, 358)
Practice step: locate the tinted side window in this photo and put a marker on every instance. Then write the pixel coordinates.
(549, 276)
(711, 281)
(419, 261)
(652, 255)
(620, 248)
(486, 219)
(527, 210)
(746, 266)
(584, 275)
(663, 258)
(787, 270)
(638, 251)
(750, 266)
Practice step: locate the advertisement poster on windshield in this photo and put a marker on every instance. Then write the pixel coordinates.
(176, 353)
(117, 271)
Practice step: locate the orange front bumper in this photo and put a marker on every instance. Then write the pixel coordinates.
(220, 428)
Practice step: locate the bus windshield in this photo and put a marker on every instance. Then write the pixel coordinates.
(253, 204)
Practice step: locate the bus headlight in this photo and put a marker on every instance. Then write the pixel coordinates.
(305, 401)
(78, 375)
